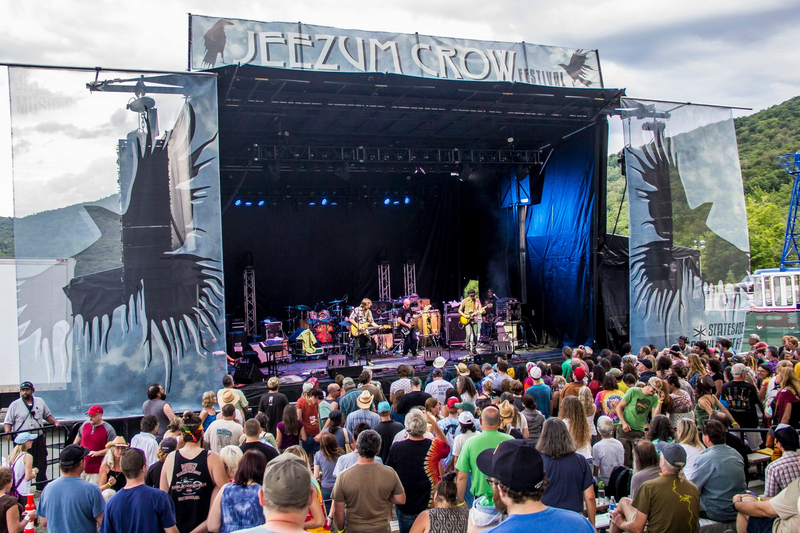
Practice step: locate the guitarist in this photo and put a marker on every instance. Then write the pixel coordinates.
(361, 319)
(470, 308)
(406, 320)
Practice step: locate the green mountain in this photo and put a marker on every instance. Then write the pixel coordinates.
(761, 137)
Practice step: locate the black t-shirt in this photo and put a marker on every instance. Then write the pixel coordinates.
(412, 399)
(742, 398)
(268, 451)
(409, 459)
(153, 476)
(492, 311)
(387, 431)
(272, 404)
(406, 315)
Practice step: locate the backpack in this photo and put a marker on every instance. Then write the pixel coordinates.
(619, 483)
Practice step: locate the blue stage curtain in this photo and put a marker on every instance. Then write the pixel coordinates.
(558, 232)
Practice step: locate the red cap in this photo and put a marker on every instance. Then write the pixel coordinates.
(580, 373)
(451, 402)
(95, 410)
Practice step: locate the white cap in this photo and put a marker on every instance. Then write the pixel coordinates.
(439, 362)
(536, 372)
(465, 417)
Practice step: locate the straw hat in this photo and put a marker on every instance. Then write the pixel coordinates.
(462, 369)
(364, 400)
(506, 410)
(227, 397)
(118, 442)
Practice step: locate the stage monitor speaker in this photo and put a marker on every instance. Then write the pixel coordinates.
(247, 373)
(338, 364)
(432, 352)
(455, 333)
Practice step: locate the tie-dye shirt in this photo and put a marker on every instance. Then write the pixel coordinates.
(606, 402)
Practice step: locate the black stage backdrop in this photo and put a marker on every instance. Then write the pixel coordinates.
(309, 254)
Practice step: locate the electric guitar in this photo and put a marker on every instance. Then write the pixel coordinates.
(364, 329)
(470, 319)
(415, 316)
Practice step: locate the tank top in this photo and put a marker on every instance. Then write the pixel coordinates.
(120, 479)
(240, 508)
(190, 490)
(700, 414)
(24, 487)
(449, 520)
(208, 420)
(156, 408)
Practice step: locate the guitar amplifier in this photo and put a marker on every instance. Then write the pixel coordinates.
(453, 331)
(270, 330)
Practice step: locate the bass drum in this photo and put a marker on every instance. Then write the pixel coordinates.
(429, 323)
(324, 332)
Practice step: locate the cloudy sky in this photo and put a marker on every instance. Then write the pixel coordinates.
(732, 52)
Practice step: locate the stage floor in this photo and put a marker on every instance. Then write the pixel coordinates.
(294, 374)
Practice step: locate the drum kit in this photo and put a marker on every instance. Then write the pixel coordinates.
(329, 322)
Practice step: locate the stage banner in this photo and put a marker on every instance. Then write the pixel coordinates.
(689, 244)
(117, 237)
(217, 42)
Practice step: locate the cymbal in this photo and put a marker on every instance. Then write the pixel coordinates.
(302, 308)
(336, 301)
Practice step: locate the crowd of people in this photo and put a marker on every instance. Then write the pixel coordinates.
(496, 447)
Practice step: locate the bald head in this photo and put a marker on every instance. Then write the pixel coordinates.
(490, 418)
(406, 303)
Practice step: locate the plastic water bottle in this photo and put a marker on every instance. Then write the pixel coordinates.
(612, 505)
(601, 493)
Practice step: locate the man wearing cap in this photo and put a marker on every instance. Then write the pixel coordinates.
(69, 504)
(29, 413)
(645, 368)
(365, 492)
(415, 398)
(223, 431)
(240, 403)
(272, 404)
(438, 387)
(743, 403)
(683, 345)
(387, 429)
(137, 507)
(471, 308)
(516, 475)
(783, 471)
(489, 438)
(347, 402)
(540, 391)
(363, 414)
(632, 411)
(286, 494)
(439, 363)
(449, 424)
(572, 389)
(416, 461)
(94, 435)
(666, 504)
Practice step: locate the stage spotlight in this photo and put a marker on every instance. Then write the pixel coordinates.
(407, 200)
(324, 201)
(237, 203)
(396, 202)
(386, 201)
(248, 203)
(261, 203)
(312, 203)
(334, 203)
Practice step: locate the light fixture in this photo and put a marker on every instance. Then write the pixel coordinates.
(237, 203)
(407, 200)
(261, 203)
(248, 203)
(387, 201)
(324, 201)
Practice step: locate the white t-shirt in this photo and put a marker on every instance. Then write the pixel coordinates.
(223, 433)
(438, 389)
(148, 444)
(459, 441)
(692, 453)
(607, 454)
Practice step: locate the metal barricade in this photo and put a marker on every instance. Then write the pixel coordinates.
(55, 440)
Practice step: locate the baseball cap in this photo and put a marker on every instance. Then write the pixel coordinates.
(23, 437)
(683, 338)
(536, 372)
(738, 369)
(384, 407)
(287, 482)
(616, 372)
(514, 464)
(439, 362)
(26, 385)
(307, 386)
(451, 402)
(580, 373)
(72, 455)
(471, 291)
(647, 363)
(348, 383)
(466, 406)
(95, 410)
(654, 382)
(169, 444)
(674, 454)
(466, 418)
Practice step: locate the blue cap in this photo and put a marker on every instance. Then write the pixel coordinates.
(24, 437)
(384, 407)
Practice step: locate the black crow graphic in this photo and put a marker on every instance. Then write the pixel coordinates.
(214, 41)
(577, 69)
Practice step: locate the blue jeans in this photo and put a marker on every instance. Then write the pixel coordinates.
(310, 446)
(405, 521)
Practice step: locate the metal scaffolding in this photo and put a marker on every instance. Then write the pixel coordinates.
(384, 281)
(250, 300)
(409, 278)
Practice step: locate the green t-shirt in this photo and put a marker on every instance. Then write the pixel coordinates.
(638, 405)
(566, 369)
(324, 411)
(467, 461)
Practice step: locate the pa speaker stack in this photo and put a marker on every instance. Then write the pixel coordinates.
(247, 373)
(338, 364)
